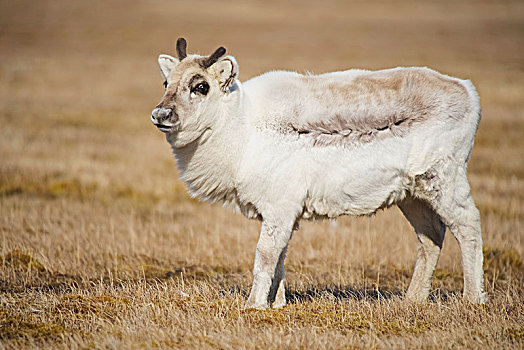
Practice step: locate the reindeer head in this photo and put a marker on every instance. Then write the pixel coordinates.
(195, 86)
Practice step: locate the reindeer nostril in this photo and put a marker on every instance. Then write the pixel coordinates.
(161, 114)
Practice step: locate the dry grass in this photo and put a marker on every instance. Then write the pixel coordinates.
(100, 246)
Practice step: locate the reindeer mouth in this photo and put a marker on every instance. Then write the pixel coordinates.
(166, 127)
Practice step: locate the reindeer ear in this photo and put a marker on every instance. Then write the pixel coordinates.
(167, 64)
(226, 71)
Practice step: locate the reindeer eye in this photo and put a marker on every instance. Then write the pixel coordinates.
(202, 88)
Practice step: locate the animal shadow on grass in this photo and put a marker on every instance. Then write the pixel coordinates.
(370, 294)
(340, 293)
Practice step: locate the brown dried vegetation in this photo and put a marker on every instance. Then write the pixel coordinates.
(101, 247)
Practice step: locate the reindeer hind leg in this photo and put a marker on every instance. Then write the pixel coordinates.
(430, 234)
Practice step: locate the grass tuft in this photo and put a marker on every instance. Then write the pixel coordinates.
(13, 327)
(502, 259)
(16, 259)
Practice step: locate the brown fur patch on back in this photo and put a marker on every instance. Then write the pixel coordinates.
(381, 104)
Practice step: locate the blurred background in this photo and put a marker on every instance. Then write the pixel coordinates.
(78, 55)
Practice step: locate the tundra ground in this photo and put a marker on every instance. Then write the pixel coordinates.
(101, 247)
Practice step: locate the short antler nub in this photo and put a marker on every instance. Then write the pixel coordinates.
(209, 61)
(181, 45)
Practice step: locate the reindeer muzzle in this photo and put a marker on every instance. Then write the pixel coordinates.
(161, 118)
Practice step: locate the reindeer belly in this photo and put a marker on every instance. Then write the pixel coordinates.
(357, 182)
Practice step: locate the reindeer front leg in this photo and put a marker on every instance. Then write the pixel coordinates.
(269, 266)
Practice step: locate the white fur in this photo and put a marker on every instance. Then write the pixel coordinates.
(237, 146)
